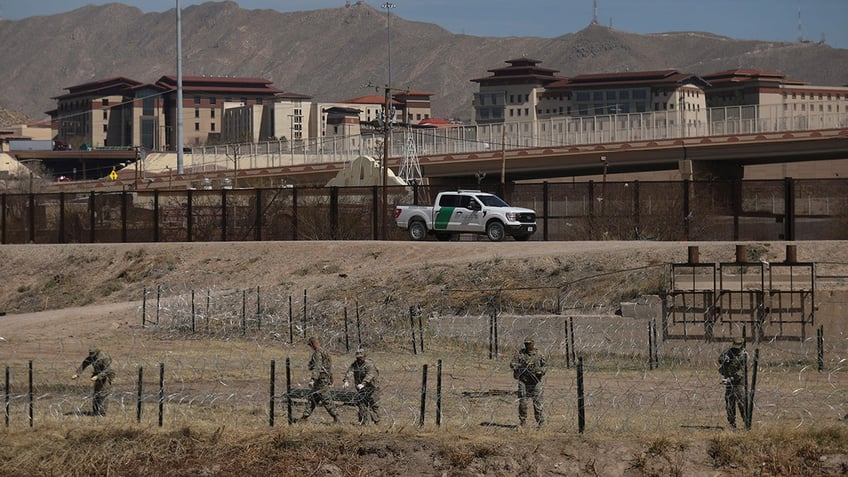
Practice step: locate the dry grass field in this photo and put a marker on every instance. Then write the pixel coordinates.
(226, 311)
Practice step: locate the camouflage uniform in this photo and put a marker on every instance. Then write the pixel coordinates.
(322, 377)
(528, 367)
(100, 368)
(731, 365)
(365, 373)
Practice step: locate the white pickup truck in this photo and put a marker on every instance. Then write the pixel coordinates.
(466, 211)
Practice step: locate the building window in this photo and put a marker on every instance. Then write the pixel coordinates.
(211, 113)
(213, 100)
(598, 96)
(258, 100)
(147, 106)
(494, 99)
(105, 101)
(611, 95)
(526, 98)
(512, 98)
(197, 112)
(105, 114)
(104, 128)
(197, 100)
(527, 111)
(582, 97)
(418, 117)
(197, 126)
(212, 127)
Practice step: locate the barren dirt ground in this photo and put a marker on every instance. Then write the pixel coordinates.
(59, 294)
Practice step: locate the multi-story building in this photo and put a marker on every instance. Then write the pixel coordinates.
(205, 98)
(511, 93)
(772, 97)
(525, 92)
(96, 113)
(121, 112)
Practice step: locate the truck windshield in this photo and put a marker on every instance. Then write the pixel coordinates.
(492, 201)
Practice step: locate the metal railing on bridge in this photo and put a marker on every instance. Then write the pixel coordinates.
(549, 132)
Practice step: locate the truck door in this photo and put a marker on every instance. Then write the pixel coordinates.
(443, 211)
(467, 216)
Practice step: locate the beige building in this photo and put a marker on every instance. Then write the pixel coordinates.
(526, 92)
(772, 97)
(24, 132)
(120, 112)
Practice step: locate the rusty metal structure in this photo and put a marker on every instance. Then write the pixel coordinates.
(720, 301)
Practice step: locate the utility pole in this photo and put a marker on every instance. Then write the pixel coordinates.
(384, 162)
(179, 92)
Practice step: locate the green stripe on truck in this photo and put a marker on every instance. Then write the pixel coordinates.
(443, 217)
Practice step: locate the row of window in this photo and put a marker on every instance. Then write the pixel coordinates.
(229, 99)
(812, 107)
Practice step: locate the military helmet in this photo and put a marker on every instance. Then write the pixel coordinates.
(360, 353)
(93, 350)
(738, 341)
(529, 340)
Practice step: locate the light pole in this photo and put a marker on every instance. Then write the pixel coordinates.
(387, 118)
(179, 92)
(604, 186)
(291, 134)
(388, 6)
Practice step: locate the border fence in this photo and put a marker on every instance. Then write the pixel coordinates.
(788, 209)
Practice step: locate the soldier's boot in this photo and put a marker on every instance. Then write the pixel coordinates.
(336, 419)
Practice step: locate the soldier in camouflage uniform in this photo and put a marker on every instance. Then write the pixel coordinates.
(528, 367)
(731, 365)
(101, 375)
(365, 377)
(322, 377)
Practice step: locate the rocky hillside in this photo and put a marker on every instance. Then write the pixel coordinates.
(331, 54)
(9, 118)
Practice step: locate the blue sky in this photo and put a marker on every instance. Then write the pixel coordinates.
(774, 20)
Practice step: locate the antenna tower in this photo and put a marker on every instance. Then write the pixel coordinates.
(595, 17)
(800, 34)
(410, 171)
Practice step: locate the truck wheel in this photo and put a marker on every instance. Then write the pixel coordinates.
(495, 231)
(443, 236)
(417, 230)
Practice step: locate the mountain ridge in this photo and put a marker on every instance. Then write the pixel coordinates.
(332, 54)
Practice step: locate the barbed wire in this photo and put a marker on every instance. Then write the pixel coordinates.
(216, 347)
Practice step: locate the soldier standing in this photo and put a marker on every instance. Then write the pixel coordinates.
(322, 377)
(365, 377)
(101, 375)
(528, 367)
(731, 365)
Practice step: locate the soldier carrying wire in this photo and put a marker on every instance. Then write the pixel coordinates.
(731, 365)
(528, 367)
(365, 377)
(322, 378)
(101, 375)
